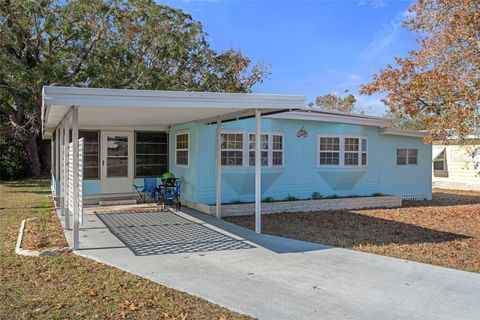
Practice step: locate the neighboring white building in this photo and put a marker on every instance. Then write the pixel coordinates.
(457, 166)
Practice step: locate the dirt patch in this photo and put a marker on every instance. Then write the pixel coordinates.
(43, 234)
(444, 231)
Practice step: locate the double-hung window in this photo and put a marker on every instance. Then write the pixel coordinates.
(364, 152)
(231, 149)
(350, 151)
(407, 156)
(329, 151)
(263, 149)
(181, 148)
(277, 150)
(352, 145)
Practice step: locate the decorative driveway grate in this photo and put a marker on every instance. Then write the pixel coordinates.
(149, 233)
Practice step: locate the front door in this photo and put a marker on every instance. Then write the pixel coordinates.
(117, 162)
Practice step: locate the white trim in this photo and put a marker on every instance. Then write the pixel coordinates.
(178, 133)
(342, 151)
(402, 132)
(57, 100)
(335, 117)
(158, 128)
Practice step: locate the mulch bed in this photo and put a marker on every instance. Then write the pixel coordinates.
(444, 231)
(43, 234)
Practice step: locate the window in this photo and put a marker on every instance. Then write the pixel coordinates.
(407, 156)
(277, 150)
(151, 156)
(181, 149)
(231, 149)
(91, 152)
(342, 151)
(263, 149)
(439, 162)
(364, 152)
(329, 151)
(234, 148)
(351, 151)
(117, 156)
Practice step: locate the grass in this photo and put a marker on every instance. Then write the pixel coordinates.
(71, 287)
(444, 231)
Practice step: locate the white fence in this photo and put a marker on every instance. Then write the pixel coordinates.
(70, 188)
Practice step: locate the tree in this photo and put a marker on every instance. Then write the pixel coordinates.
(104, 43)
(439, 83)
(333, 102)
(403, 121)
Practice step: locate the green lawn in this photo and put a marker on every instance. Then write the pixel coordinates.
(69, 286)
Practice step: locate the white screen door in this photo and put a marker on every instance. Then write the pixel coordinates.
(117, 162)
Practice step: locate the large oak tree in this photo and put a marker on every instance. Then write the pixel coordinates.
(104, 43)
(439, 83)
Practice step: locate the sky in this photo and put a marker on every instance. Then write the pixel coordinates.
(311, 47)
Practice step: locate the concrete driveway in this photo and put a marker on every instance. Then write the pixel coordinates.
(276, 278)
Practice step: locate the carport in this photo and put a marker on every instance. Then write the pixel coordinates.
(67, 108)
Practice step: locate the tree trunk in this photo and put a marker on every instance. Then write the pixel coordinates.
(31, 149)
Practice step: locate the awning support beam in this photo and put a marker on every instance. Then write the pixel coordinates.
(61, 175)
(66, 141)
(75, 158)
(258, 172)
(218, 186)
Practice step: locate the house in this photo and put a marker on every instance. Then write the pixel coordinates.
(457, 165)
(225, 147)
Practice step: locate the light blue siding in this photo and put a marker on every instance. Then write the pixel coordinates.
(300, 175)
(188, 175)
(92, 187)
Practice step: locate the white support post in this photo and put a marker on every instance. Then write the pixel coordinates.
(61, 173)
(52, 158)
(76, 223)
(57, 159)
(258, 172)
(218, 187)
(66, 141)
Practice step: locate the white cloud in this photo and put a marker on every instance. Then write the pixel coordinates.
(387, 34)
(354, 77)
(375, 4)
(370, 104)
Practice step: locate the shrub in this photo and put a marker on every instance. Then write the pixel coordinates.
(236, 202)
(334, 196)
(41, 229)
(291, 198)
(316, 195)
(13, 160)
(377, 194)
(268, 199)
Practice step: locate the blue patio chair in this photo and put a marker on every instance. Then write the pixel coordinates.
(170, 190)
(147, 192)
